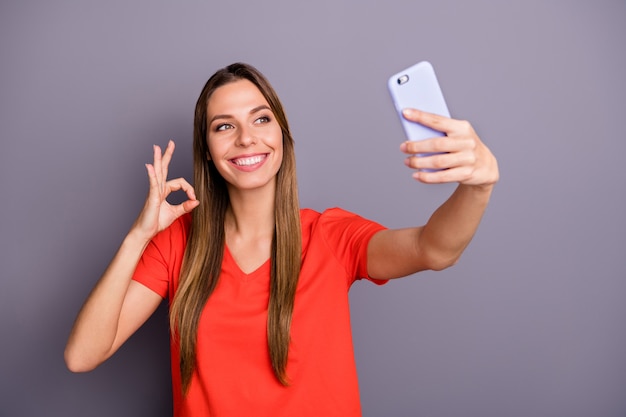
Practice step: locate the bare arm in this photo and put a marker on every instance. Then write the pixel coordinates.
(114, 310)
(441, 241)
(118, 306)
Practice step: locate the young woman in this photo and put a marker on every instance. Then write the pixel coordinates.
(257, 287)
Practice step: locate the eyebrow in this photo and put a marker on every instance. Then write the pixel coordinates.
(228, 116)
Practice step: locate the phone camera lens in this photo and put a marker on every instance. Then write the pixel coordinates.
(403, 79)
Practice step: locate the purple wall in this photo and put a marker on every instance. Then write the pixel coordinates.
(529, 323)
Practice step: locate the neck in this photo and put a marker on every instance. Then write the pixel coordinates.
(251, 212)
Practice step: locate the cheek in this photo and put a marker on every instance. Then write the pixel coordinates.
(213, 150)
(277, 135)
(280, 151)
(279, 147)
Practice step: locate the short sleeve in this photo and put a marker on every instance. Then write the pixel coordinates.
(159, 266)
(348, 234)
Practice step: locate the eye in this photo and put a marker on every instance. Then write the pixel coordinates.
(262, 119)
(222, 127)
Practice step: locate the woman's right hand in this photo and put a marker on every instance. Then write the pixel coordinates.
(157, 214)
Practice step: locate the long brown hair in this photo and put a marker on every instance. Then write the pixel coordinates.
(205, 246)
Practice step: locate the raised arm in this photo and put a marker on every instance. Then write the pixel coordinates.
(441, 241)
(118, 306)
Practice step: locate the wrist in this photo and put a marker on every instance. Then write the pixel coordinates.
(136, 237)
(479, 188)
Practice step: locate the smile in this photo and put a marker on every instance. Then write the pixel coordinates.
(249, 161)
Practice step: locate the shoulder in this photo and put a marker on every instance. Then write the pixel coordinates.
(159, 266)
(312, 219)
(308, 215)
(335, 221)
(338, 239)
(330, 215)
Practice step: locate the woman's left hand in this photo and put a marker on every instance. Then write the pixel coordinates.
(463, 158)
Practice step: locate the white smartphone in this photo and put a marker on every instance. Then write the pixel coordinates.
(417, 87)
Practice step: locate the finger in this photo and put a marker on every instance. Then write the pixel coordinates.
(458, 174)
(189, 205)
(167, 157)
(184, 207)
(181, 184)
(438, 144)
(154, 193)
(152, 177)
(158, 166)
(437, 122)
(441, 161)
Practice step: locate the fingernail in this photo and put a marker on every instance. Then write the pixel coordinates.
(403, 146)
(408, 112)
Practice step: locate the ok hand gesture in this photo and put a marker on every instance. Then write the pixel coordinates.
(157, 214)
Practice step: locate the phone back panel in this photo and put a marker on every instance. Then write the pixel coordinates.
(417, 87)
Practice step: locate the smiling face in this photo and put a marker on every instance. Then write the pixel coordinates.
(244, 139)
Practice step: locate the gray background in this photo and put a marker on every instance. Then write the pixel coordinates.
(529, 323)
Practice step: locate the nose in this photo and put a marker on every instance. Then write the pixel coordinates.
(245, 137)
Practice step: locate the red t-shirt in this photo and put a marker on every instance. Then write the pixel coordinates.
(233, 374)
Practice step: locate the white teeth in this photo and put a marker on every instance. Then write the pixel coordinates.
(248, 161)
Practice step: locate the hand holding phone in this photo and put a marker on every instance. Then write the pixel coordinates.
(466, 158)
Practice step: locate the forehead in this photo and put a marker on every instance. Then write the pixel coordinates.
(238, 96)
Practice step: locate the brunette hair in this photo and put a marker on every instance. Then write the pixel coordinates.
(205, 245)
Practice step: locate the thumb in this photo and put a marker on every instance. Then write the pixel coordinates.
(189, 205)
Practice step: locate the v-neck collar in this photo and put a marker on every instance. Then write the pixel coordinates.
(260, 270)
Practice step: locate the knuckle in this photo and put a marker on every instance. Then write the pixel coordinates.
(439, 161)
(414, 162)
(473, 143)
(465, 125)
(446, 175)
(426, 177)
(469, 158)
(434, 120)
(445, 144)
(440, 145)
(466, 173)
(414, 147)
(409, 147)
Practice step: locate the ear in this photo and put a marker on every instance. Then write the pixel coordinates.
(208, 156)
